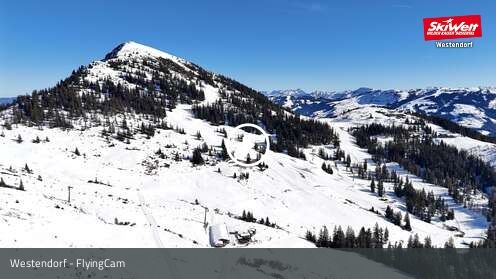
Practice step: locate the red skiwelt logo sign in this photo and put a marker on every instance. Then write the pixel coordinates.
(452, 27)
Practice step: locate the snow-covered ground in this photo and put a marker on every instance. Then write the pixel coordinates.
(131, 195)
(141, 200)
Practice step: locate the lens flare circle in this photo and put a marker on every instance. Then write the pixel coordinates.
(229, 149)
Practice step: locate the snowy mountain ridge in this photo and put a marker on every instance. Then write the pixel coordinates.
(132, 48)
(470, 107)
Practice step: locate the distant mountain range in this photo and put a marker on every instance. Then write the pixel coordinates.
(6, 100)
(470, 107)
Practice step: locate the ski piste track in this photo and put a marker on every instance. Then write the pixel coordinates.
(153, 226)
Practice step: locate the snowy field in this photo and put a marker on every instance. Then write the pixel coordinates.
(147, 193)
(125, 195)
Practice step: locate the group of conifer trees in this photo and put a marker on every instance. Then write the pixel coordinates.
(415, 149)
(292, 133)
(454, 127)
(366, 238)
(376, 237)
(418, 202)
(76, 96)
(248, 216)
(240, 104)
(157, 89)
(434, 161)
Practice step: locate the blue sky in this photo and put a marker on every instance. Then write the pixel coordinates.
(266, 44)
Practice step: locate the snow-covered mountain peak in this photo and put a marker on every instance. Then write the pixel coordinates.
(134, 49)
(287, 92)
(131, 63)
(324, 93)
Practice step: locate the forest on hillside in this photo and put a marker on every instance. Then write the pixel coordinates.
(75, 97)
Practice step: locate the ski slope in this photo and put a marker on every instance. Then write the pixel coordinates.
(158, 196)
(131, 195)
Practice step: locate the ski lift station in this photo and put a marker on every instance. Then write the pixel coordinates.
(219, 236)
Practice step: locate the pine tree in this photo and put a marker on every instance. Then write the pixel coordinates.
(361, 239)
(427, 242)
(249, 217)
(380, 188)
(410, 242)
(368, 238)
(416, 242)
(372, 186)
(197, 158)
(27, 169)
(338, 238)
(450, 243)
(21, 186)
(407, 227)
(323, 240)
(204, 148)
(224, 155)
(377, 236)
(397, 218)
(349, 238)
(310, 237)
(76, 152)
(389, 213)
(398, 188)
(451, 215)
